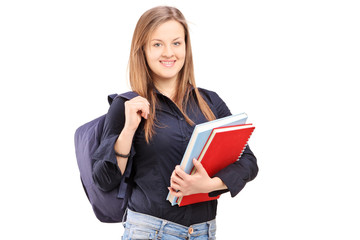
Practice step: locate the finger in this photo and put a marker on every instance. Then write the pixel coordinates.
(199, 167)
(140, 108)
(144, 114)
(145, 110)
(140, 99)
(175, 186)
(175, 193)
(180, 172)
(175, 179)
(175, 182)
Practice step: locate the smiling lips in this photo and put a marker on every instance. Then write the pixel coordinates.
(168, 63)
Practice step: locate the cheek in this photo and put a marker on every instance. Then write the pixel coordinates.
(181, 53)
(152, 56)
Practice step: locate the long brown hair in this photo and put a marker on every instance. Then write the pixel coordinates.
(140, 74)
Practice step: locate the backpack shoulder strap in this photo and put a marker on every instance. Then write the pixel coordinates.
(127, 96)
(124, 188)
(111, 98)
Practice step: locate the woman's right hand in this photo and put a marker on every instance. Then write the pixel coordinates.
(135, 109)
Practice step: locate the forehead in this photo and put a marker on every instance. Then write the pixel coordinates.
(168, 31)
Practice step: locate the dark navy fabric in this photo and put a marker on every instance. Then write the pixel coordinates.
(153, 163)
(108, 206)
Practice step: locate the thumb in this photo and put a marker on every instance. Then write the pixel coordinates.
(199, 167)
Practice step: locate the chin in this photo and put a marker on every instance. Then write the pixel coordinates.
(167, 76)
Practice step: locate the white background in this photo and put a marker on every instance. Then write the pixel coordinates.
(293, 66)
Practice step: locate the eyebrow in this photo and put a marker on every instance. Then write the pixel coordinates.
(162, 40)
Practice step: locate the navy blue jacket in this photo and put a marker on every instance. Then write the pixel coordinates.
(153, 163)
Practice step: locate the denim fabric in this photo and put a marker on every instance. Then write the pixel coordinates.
(142, 226)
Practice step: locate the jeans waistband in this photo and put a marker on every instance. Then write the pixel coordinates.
(168, 227)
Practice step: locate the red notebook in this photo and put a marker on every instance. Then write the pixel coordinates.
(223, 147)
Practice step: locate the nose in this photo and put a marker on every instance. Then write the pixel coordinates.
(168, 52)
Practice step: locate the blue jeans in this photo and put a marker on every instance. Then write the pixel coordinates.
(142, 226)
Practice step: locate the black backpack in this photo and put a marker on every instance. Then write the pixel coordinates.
(108, 206)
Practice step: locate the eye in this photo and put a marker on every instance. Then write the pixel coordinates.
(157, 45)
(177, 43)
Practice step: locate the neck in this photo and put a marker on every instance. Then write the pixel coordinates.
(166, 87)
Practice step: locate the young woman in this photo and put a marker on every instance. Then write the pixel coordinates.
(153, 130)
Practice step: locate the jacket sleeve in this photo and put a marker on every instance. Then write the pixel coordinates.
(106, 173)
(236, 175)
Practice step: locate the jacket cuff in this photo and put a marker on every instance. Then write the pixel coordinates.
(106, 151)
(217, 193)
(233, 183)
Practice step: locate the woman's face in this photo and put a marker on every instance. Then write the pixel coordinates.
(165, 51)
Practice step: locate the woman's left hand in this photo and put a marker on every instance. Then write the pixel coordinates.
(182, 184)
